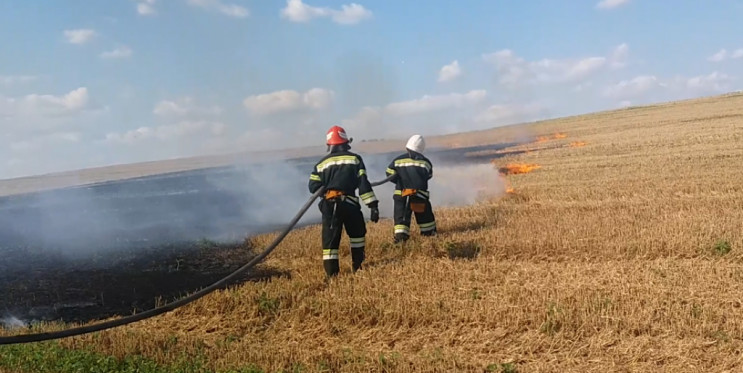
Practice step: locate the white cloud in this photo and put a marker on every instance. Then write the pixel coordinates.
(45, 105)
(185, 106)
(450, 72)
(170, 132)
(611, 4)
(351, 14)
(724, 54)
(516, 71)
(44, 141)
(74, 100)
(583, 87)
(430, 113)
(507, 114)
(297, 11)
(146, 8)
(288, 101)
(16, 79)
(434, 103)
(651, 88)
(365, 118)
(120, 52)
(79, 36)
(582, 67)
(511, 68)
(619, 56)
(715, 82)
(47, 117)
(232, 10)
(721, 55)
(634, 87)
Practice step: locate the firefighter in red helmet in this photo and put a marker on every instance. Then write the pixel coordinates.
(341, 172)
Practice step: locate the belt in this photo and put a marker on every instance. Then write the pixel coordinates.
(337, 196)
(407, 192)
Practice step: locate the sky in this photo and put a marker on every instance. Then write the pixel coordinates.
(93, 83)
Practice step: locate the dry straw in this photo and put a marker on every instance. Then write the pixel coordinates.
(622, 254)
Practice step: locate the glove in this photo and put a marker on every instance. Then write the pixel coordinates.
(374, 217)
(374, 214)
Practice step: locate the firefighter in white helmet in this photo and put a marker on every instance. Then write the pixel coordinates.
(411, 172)
(342, 172)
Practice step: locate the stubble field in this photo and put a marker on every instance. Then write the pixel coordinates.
(620, 252)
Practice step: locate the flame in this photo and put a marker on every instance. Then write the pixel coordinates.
(515, 168)
(577, 144)
(558, 135)
(506, 184)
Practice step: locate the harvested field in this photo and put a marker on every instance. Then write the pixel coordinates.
(620, 254)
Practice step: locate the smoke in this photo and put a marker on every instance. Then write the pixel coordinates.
(12, 322)
(456, 180)
(268, 195)
(465, 185)
(223, 204)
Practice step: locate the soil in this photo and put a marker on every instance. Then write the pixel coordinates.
(44, 286)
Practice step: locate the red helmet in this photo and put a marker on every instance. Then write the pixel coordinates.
(336, 135)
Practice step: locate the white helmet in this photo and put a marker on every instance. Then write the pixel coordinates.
(416, 144)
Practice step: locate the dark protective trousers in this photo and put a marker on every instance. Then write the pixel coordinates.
(335, 216)
(426, 220)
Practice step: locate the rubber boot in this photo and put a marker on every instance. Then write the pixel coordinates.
(429, 233)
(332, 267)
(357, 256)
(401, 237)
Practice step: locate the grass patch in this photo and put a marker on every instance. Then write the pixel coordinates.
(51, 357)
(552, 324)
(722, 247)
(268, 305)
(462, 250)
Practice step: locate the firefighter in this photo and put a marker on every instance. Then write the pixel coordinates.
(411, 172)
(341, 172)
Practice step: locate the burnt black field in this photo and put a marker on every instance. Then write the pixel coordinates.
(95, 251)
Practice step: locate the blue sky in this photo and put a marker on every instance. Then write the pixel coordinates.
(91, 83)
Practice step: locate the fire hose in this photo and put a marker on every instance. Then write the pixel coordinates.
(38, 337)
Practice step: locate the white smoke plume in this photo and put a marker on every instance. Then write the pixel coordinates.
(225, 204)
(12, 322)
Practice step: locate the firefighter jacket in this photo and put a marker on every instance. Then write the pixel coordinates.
(410, 171)
(345, 172)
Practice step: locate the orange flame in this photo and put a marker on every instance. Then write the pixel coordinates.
(542, 139)
(506, 184)
(512, 169)
(577, 144)
(560, 135)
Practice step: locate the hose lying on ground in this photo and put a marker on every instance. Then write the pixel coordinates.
(38, 337)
